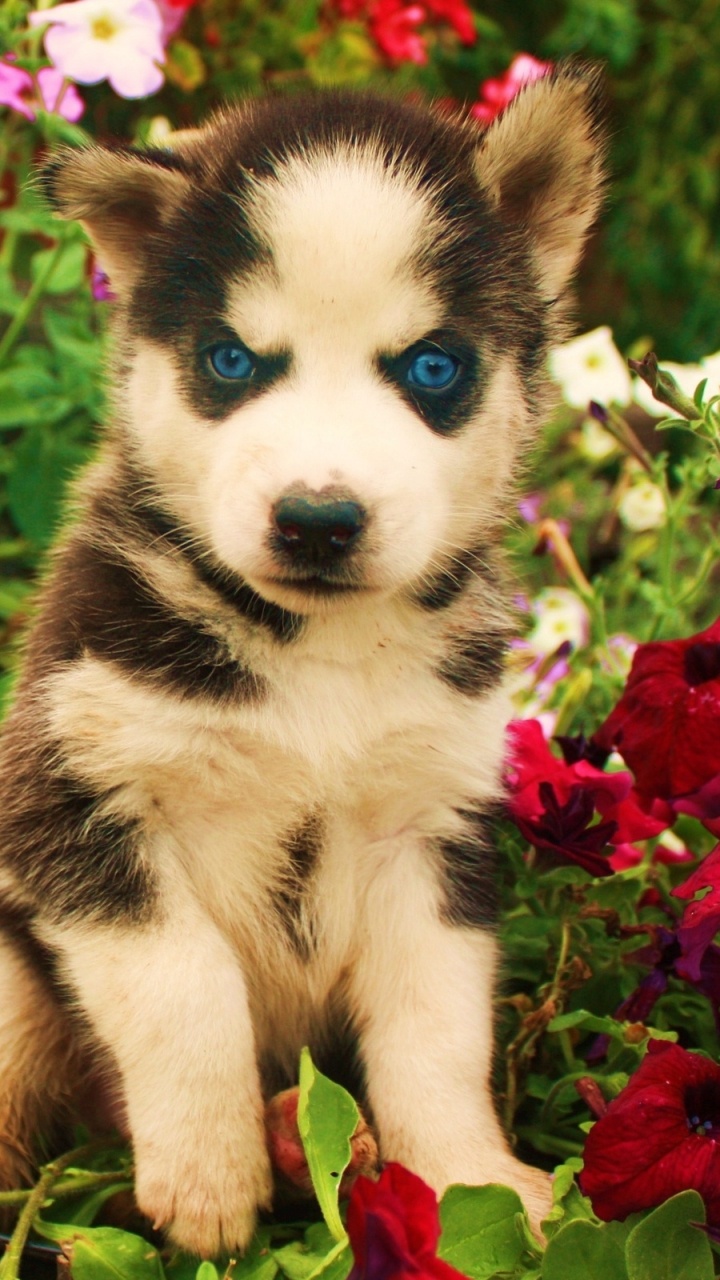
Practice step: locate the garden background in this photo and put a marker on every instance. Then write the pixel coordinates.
(609, 1008)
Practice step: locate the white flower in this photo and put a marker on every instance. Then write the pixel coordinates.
(115, 40)
(642, 507)
(561, 617)
(687, 377)
(596, 443)
(591, 368)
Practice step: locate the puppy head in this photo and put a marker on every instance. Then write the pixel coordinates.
(334, 317)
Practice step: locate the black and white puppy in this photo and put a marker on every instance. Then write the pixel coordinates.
(245, 784)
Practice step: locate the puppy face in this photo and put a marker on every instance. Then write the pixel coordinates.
(333, 343)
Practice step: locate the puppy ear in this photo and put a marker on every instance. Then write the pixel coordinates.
(120, 197)
(541, 162)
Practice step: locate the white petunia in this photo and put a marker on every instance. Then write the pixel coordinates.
(642, 507)
(115, 40)
(560, 618)
(591, 368)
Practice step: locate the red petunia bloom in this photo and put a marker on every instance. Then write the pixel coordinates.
(394, 28)
(495, 94)
(457, 14)
(394, 1229)
(661, 1135)
(701, 920)
(665, 725)
(553, 802)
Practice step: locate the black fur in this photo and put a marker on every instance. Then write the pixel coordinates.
(303, 847)
(72, 860)
(475, 663)
(470, 871)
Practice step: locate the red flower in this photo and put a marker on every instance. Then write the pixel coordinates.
(495, 94)
(553, 802)
(393, 26)
(457, 14)
(660, 1135)
(701, 920)
(665, 725)
(394, 1229)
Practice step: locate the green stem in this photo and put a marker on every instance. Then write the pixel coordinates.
(32, 296)
(73, 1186)
(549, 1144)
(36, 1198)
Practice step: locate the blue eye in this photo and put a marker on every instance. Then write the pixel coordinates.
(230, 360)
(433, 370)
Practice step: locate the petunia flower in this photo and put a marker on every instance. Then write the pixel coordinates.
(560, 617)
(553, 802)
(394, 28)
(394, 1229)
(661, 1135)
(457, 14)
(701, 918)
(115, 40)
(590, 368)
(50, 91)
(495, 94)
(665, 725)
(642, 506)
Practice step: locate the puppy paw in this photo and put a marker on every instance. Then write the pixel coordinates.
(206, 1205)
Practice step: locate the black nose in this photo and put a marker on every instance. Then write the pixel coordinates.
(317, 529)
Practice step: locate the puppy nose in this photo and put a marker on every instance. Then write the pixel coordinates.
(319, 528)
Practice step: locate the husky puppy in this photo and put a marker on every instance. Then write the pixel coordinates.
(246, 783)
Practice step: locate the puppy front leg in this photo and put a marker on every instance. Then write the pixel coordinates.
(422, 993)
(169, 1000)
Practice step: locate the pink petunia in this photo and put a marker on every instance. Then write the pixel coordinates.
(495, 94)
(661, 1135)
(116, 40)
(49, 92)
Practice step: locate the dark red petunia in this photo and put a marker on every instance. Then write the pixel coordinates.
(553, 802)
(700, 920)
(665, 725)
(661, 1135)
(394, 1229)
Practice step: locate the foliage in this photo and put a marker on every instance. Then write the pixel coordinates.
(617, 546)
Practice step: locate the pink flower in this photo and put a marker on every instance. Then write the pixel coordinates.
(115, 40)
(394, 1229)
(495, 94)
(49, 92)
(661, 1135)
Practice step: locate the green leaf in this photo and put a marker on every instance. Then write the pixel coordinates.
(588, 1250)
(481, 1232)
(184, 66)
(667, 1246)
(104, 1253)
(327, 1119)
(42, 464)
(318, 1255)
(207, 1271)
(69, 270)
